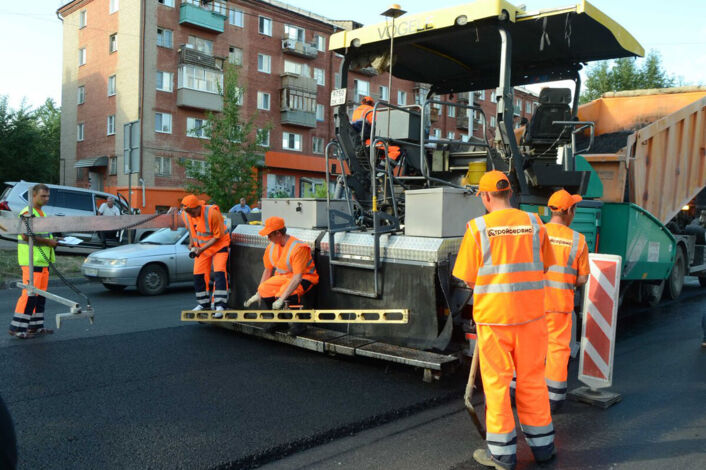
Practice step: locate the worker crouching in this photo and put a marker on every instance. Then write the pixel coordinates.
(209, 241)
(503, 257)
(294, 271)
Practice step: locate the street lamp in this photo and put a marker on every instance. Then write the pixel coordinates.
(394, 12)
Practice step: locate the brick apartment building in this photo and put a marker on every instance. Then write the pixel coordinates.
(160, 62)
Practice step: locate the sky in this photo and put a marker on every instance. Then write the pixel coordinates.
(31, 36)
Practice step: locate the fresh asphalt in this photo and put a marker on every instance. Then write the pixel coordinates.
(138, 389)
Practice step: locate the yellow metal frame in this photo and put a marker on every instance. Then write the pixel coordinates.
(386, 316)
(421, 23)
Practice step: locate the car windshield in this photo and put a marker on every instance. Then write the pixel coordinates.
(164, 236)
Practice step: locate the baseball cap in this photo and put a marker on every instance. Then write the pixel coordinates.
(272, 224)
(190, 201)
(562, 200)
(490, 182)
(367, 100)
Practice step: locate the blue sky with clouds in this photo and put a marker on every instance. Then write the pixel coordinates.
(31, 35)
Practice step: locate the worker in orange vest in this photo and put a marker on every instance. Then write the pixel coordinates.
(209, 242)
(294, 270)
(503, 257)
(570, 272)
(363, 119)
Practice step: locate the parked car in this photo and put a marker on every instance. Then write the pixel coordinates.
(159, 260)
(65, 201)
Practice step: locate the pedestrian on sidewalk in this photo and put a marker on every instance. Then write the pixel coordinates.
(28, 320)
(503, 257)
(108, 208)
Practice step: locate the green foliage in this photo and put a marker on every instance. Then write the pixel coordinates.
(321, 191)
(625, 74)
(234, 151)
(278, 194)
(30, 142)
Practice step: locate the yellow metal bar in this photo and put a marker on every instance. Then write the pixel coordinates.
(388, 316)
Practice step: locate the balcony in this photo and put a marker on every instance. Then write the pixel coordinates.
(434, 114)
(188, 55)
(462, 122)
(298, 101)
(368, 71)
(197, 99)
(204, 14)
(299, 48)
(463, 97)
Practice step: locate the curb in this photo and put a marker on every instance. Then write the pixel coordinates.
(10, 284)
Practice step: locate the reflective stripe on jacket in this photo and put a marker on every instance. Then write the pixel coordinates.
(281, 259)
(561, 278)
(23, 246)
(200, 229)
(509, 287)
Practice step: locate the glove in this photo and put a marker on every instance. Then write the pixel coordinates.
(252, 300)
(277, 304)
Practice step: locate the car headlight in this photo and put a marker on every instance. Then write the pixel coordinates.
(87, 260)
(116, 262)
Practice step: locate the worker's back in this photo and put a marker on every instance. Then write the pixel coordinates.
(568, 246)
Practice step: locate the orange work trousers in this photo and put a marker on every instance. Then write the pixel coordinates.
(277, 284)
(502, 351)
(202, 278)
(558, 352)
(29, 311)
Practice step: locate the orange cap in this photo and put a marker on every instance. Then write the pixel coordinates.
(490, 182)
(563, 201)
(368, 100)
(272, 224)
(190, 201)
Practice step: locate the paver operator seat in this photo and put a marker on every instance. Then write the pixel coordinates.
(554, 105)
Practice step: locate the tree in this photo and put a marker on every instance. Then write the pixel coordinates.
(235, 149)
(625, 74)
(30, 142)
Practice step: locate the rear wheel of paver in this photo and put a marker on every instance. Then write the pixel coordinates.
(675, 282)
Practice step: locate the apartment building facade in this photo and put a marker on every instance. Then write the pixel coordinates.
(160, 63)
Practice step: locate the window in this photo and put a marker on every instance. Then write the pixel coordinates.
(451, 136)
(162, 166)
(263, 137)
(361, 88)
(82, 56)
(163, 123)
(280, 185)
(111, 85)
(263, 100)
(265, 26)
(165, 81)
(297, 100)
(337, 80)
(195, 168)
(82, 17)
(481, 95)
(235, 55)
(110, 126)
(436, 133)
(452, 111)
(493, 97)
(79, 132)
(81, 98)
(384, 93)
(294, 32)
(528, 107)
(164, 37)
(518, 105)
(200, 44)
(291, 141)
(319, 112)
(264, 63)
(320, 43)
(113, 43)
(236, 18)
(317, 145)
(114, 5)
(239, 96)
(492, 121)
(197, 128)
(113, 165)
(402, 98)
(200, 79)
(320, 77)
(167, 3)
(296, 68)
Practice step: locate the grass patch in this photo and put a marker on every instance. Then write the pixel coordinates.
(9, 270)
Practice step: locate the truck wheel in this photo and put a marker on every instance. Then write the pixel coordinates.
(153, 280)
(651, 293)
(675, 282)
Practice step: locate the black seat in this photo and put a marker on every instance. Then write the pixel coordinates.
(554, 105)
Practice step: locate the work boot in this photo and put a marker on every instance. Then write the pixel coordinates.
(219, 312)
(548, 459)
(197, 308)
(482, 456)
(296, 329)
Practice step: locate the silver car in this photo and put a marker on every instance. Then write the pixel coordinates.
(151, 265)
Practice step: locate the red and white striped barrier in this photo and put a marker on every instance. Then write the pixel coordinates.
(600, 315)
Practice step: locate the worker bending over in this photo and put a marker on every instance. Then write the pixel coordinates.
(503, 257)
(570, 272)
(209, 241)
(294, 270)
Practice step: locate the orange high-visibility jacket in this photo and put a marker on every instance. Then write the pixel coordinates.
(208, 225)
(292, 258)
(571, 254)
(504, 255)
(360, 113)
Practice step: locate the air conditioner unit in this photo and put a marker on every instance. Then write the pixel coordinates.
(289, 43)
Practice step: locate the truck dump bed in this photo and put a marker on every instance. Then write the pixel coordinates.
(662, 157)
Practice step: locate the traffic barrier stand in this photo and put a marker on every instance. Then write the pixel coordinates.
(600, 315)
